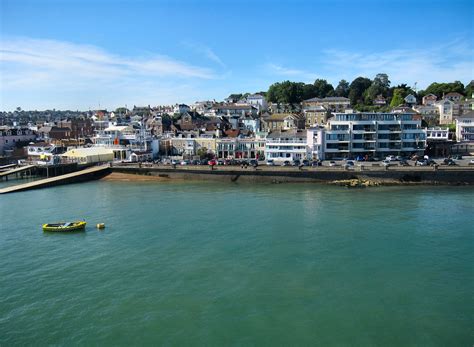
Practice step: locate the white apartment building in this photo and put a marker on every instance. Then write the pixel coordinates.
(373, 135)
(286, 146)
(465, 128)
(437, 134)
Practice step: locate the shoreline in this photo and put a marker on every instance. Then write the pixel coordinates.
(350, 178)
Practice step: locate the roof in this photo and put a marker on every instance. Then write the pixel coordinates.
(453, 94)
(287, 134)
(281, 116)
(116, 128)
(329, 99)
(232, 132)
(88, 151)
(469, 115)
(233, 107)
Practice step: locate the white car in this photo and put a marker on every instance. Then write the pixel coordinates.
(270, 162)
(471, 162)
(332, 163)
(391, 158)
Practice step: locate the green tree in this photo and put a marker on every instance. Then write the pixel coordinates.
(469, 90)
(379, 86)
(342, 89)
(398, 97)
(382, 80)
(439, 89)
(203, 153)
(357, 89)
(322, 88)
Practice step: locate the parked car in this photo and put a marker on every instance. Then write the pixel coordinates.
(332, 163)
(391, 158)
(220, 162)
(306, 162)
(253, 162)
(386, 162)
(471, 162)
(174, 162)
(270, 162)
(421, 163)
(457, 157)
(449, 162)
(286, 163)
(296, 162)
(403, 162)
(212, 162)
(349, 164)
(185, 162)
(317, 163)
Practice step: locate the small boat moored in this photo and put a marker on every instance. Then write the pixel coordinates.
(64, 227)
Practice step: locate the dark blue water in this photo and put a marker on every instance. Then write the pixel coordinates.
(237, 264)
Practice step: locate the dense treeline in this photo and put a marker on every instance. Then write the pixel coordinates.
(361, 91)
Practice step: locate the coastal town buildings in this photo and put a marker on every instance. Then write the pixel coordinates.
(465, 128)
(11, 138)
(330, 103)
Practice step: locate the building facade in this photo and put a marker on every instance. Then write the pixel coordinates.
(284, 146)
(373, 135)
(465, 128)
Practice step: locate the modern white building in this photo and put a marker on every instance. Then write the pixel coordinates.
(373, 135)
(465, 128)
(288, 145)
(258, 101)
(437, 134)
(315, 143)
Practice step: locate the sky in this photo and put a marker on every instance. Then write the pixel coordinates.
(90, 54)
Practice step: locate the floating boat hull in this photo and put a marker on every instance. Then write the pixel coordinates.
(64, 227)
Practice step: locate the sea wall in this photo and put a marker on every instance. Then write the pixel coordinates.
(392, 175)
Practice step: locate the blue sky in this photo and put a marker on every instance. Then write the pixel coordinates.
(82, 54)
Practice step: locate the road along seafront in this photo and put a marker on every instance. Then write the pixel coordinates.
(379, 175)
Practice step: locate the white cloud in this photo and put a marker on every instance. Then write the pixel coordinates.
(205, 51)
(287, 71)
(445, 63)
(49, 67)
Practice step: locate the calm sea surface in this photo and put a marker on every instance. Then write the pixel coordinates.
(238, 264)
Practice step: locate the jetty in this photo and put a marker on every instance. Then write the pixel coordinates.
(16, 171)
(88, 174)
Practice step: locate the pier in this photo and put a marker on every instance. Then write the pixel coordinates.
(88, 174)
(16, 171)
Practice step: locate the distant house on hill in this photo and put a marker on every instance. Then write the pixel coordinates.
(380, 100)
(454, 97)
(410, 99)
(429, 100)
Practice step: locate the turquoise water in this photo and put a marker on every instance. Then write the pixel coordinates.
(237, 264)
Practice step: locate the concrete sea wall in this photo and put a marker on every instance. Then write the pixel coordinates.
(392, 175)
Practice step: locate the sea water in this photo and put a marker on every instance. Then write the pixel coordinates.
(238, 264)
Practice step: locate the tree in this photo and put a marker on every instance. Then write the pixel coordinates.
(398, 97)
(203, 153)
(439, 89)
(342, 89)
(322, 88)
(357, 89)
(379, 86)
(469, 90)
(382, 80)
(286, 92)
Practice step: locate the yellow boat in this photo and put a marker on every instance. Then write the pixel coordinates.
(64, 227)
